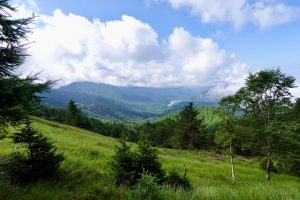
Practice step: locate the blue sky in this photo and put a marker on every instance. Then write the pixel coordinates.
(260, 34)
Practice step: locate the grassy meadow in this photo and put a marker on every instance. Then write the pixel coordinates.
(85, 173)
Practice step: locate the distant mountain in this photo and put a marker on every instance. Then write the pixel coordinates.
(108, 101)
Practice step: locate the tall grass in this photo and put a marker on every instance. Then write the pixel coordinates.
(85, 172)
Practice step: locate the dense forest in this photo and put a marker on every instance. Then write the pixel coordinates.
(260, 122)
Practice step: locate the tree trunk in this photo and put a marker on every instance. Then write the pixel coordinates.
(231, 160)
(184, 171)
(269, 162)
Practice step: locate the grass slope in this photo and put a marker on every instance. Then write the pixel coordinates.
(85, 175)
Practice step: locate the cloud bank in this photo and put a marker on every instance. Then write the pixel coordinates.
(128, 51)
(261, 13)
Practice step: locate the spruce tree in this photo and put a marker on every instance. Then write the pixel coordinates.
(17, 95)
(146, 159)
(191, 130)
(123, 164)
(40, 159)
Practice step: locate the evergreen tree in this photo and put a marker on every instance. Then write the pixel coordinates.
(72, 114)
(128, 166)
(75, 118)
(146, 159)
(123, 164)
(17, 95)
(191, 131)
(40, 160)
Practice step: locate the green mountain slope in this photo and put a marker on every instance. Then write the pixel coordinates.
(108, 101)
(85, 172)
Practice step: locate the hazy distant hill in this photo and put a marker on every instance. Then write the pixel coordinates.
(103, 100)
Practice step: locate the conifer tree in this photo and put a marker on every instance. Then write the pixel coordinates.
(147, 159)
(191, 131)
(16, 94)
(123, 164)
(40, 159)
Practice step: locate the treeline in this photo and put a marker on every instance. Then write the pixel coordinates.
(74, 117)
(237, 133)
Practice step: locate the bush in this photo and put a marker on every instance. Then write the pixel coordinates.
(146, 189)
(39, 161)
(175, 180)
(129, 165)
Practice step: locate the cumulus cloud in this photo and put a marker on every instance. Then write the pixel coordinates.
(296, 91)
(262, 13)
(128, 51)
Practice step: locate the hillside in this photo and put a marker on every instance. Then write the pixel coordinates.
(209, 114)
(108, 101)
(85, 172)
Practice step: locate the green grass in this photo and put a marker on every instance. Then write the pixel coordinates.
(85, 174)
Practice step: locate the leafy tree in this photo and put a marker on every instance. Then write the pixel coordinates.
(191, 131)
(227, 132)
(17, 95)
(266, 99)
(40, 160)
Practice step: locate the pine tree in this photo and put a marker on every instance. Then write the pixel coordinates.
(40, 159)
(123, 164)
(17, 95)
(146, 159)
(191, 131)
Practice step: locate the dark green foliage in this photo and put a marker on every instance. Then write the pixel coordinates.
(128, 165)
(147, 160)
(123, 164)
(17, 95)
(297, 109)
(191, 131)
(39, 161)
(265, 100)
(146, 189)
(159, 133)
(74, 117)
(12, 32)
(175, 180)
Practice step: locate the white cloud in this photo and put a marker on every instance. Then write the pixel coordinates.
(128, 52)
(296, 91)
(262, 13)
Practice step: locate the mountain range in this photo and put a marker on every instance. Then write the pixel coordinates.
(125, 103)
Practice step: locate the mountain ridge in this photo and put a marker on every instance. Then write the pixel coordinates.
(126, 102)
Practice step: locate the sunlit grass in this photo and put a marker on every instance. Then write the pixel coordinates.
(85, 172)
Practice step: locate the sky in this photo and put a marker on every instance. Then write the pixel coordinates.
(162, 43)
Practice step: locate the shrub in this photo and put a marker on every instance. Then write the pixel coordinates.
(146, 189)
(175, 180)
(129, 165)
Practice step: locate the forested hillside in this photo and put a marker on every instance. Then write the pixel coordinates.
(125, 103)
